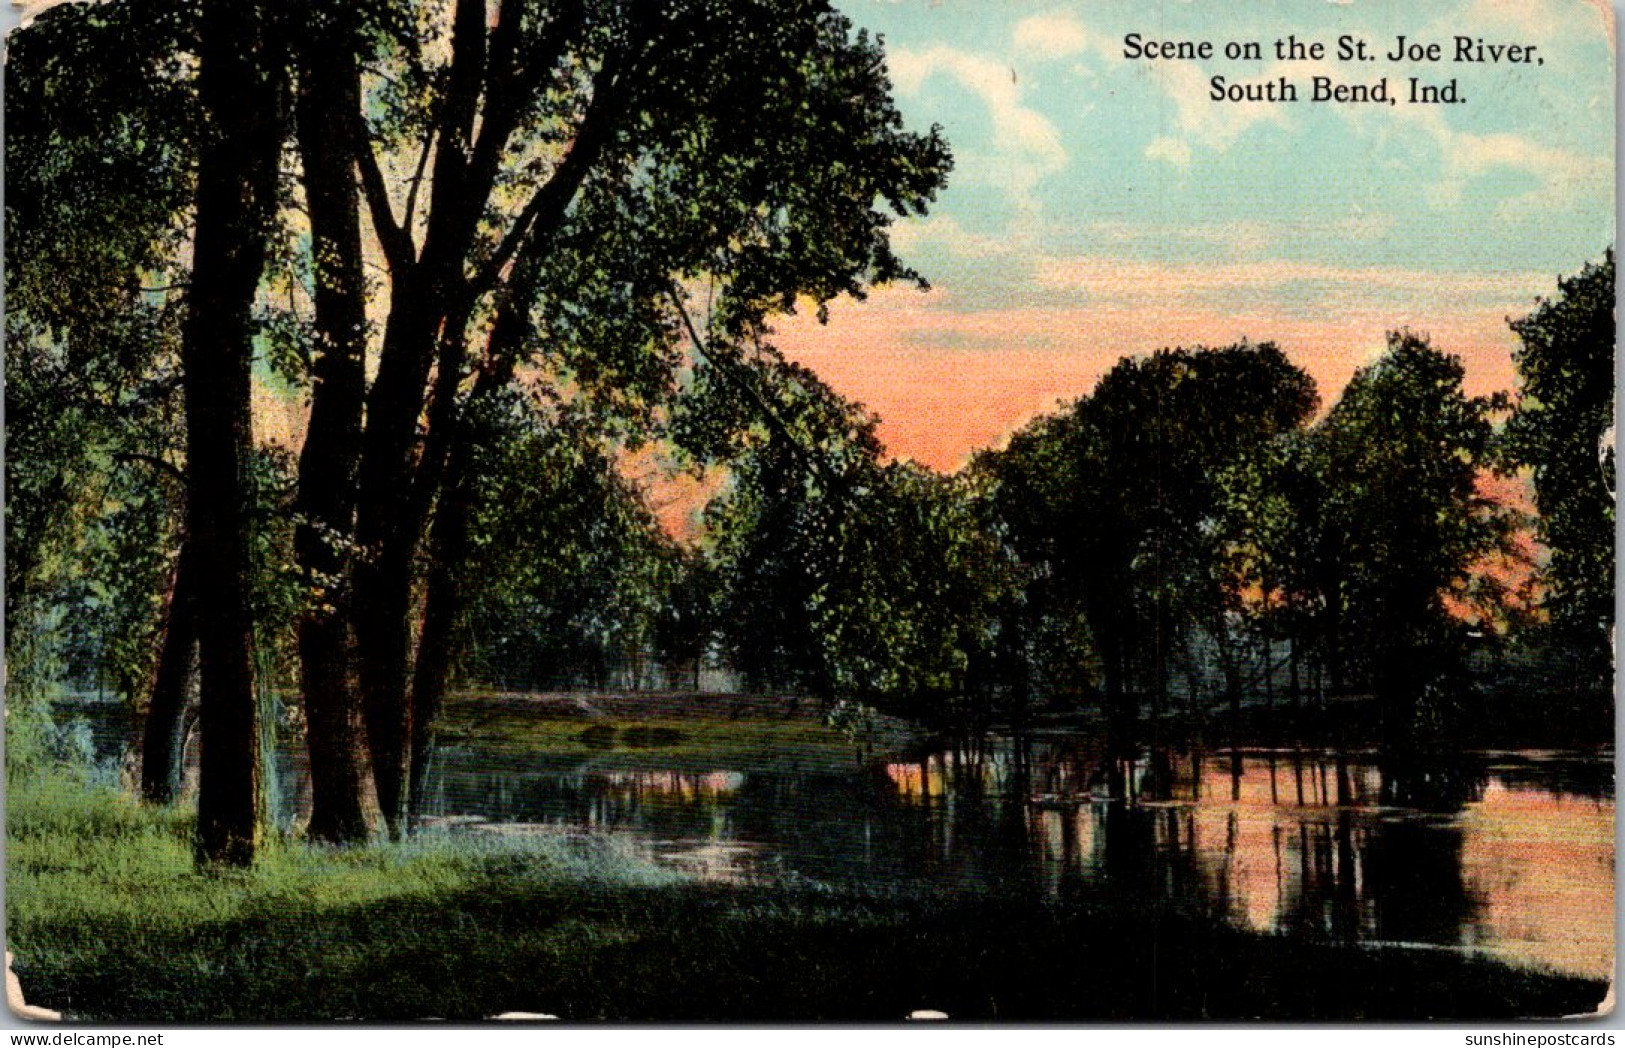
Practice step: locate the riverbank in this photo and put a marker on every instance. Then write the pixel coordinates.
(109, 921)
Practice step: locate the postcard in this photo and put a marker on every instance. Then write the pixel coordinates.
(785, 511)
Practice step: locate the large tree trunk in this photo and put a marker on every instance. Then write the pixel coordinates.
(332, 449)
(164, 733)
(236, 196)
(433, 300)
(396, 490)
(442, 607)
(449, 538)
(379, 612)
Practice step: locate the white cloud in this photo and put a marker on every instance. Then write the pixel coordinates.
(1213, 125)
(952, 237)
(1050, 36)
(1565, 177)
(1173, 150)
(1027, 146)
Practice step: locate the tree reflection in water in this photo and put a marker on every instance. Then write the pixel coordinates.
(1346, 846)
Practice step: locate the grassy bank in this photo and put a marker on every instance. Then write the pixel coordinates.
(666, 731)
(109, 921)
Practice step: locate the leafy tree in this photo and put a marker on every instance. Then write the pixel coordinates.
(1115, 505)
(581, 165)
(1403, 524)
(159, 117)
(841, 577)
(572, 172)
(570, 570)
(799, 460)
(89, 358)
(1269, 524)
(103, 120)
(1561, 427)
(1030, 492)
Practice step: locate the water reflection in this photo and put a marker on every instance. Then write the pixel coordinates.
(1510, 852)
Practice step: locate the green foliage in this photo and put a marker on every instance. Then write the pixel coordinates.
(746, 153)
(93, 503)
(570, 573)
(1269, 526)
(841, 576)
(1402, 520)
(1116, 506)
(100, 122)
(1562, 428)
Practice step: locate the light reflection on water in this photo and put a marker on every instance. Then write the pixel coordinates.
(1508, 853)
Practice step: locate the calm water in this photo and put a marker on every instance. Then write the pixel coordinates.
(1509, 853)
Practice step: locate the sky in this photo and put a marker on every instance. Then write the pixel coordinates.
(1102, 205)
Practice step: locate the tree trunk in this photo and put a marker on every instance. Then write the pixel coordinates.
(164, 734)
(1163, 627)
(1228, 667)
(1292, 666)
(379, 613)
(442, 604)
(236, 197)
(441, 609)
(393, 500)
(332, 449)
(449, 540)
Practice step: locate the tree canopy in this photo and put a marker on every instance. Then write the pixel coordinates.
(1562, 427)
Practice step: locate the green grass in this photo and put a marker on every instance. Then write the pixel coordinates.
(110, 921)
(673, 743)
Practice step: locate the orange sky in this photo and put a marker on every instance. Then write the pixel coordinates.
(938, 403)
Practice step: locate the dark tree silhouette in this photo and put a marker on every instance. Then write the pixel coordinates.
(1403, 522)
(239, 88)
(1561, 427)
(1114, 503)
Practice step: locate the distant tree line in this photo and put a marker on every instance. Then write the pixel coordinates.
(1191, 533)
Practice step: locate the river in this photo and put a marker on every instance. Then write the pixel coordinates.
(1509, 852)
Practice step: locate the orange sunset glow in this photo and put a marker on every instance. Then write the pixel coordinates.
(939, 403)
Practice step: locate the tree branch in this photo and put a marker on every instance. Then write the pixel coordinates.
(417, 182)
(450, 204)
(546, 208)
(396, 241)
(163, 466)
(726, 369)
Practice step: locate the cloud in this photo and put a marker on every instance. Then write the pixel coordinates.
(1050, 36)
(1213, 125)
(949, 235)
(1278, 281)
(1172, 150)
(1026, 145)
(1566, 178)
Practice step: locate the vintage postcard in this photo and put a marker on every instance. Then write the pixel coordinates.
(786, 511)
